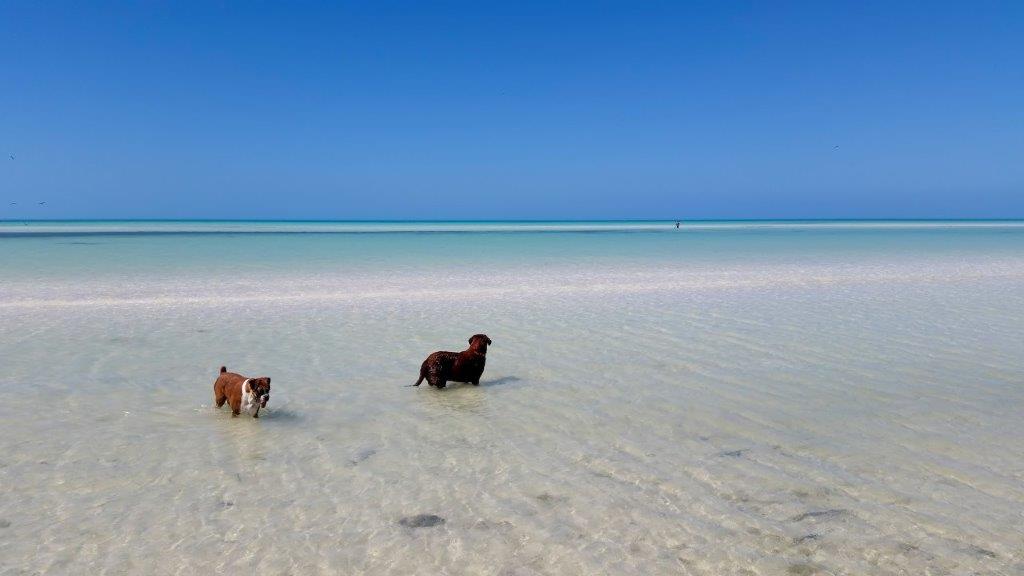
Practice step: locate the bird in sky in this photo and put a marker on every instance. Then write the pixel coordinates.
(12, 156)
(42, 203)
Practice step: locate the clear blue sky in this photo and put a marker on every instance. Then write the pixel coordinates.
(514, 110)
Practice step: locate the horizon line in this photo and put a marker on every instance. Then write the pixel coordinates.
(507, 220)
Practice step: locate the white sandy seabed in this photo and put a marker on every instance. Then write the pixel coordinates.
(852, 418)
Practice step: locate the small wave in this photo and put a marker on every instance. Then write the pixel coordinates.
(537, 288)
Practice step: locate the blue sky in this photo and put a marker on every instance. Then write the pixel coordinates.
(516, 110)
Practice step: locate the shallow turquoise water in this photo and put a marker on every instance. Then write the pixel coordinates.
(729, 398)
(67, 249)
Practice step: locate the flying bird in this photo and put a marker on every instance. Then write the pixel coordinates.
(12, 156)
(42, 203)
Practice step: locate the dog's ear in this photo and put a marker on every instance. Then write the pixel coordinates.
(471, 339)
(268, 380)
(488, 341)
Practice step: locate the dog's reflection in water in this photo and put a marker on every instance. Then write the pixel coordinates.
(282, 415)
(501, 381)
(467, 398)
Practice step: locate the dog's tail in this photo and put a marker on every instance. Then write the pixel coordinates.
(223, 369)
(418, 382)
(423, 376)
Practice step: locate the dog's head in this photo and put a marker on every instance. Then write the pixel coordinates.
(478, 343)
(261, 389)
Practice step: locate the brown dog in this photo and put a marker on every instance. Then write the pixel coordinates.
(467, 366)
(241, 392)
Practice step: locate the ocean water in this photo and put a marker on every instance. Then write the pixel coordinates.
(727, 398)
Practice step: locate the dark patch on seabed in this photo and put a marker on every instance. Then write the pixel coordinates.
(421, 521)
(361, 456)
(551, 498)
(5, 523)
(821, 515)
(979, 551)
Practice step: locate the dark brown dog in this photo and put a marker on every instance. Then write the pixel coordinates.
(467, 366)
(241, 392)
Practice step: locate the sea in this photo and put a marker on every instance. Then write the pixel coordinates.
(725, 398)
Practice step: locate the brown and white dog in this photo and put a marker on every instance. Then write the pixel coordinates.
(467, 366)
(241, 392)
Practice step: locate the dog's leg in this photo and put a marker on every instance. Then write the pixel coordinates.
(476, 382)
(218, 394)
(435, 375)
(236, 406)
